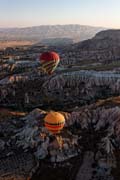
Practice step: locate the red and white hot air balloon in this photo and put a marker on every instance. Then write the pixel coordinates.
(49, 61)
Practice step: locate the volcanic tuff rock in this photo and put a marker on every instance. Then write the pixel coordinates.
(104, 47)
(61, 89)
(91, 130)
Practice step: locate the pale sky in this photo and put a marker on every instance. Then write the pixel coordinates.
(22, 13)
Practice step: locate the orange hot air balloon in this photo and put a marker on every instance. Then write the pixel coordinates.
(54, 122)
(49, 61)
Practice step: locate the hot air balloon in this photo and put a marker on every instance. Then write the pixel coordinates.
(54, 122)
(49, 61)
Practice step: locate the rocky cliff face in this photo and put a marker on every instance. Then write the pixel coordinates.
(63, 89)
(73, 86)
(104, 47)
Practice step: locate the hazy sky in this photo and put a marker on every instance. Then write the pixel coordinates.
(21, 13)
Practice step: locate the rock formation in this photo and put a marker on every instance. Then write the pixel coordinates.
(103, 48)
(63, 88)
(93, 128)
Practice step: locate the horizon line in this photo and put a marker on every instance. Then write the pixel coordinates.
(19, 27)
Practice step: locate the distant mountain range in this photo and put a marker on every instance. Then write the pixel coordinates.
(39, 33)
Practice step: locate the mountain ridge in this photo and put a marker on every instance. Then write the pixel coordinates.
(76, 32)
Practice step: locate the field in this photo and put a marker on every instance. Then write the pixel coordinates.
(4, 44)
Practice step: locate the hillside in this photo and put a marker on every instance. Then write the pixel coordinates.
(103, 48)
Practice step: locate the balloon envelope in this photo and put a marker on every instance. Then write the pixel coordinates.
(54, 122)
(49, 61)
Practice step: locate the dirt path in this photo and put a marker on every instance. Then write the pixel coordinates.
(85, 171)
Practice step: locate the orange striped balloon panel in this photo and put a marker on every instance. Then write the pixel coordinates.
(54, 122)
(49, 66)
(54, 128)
